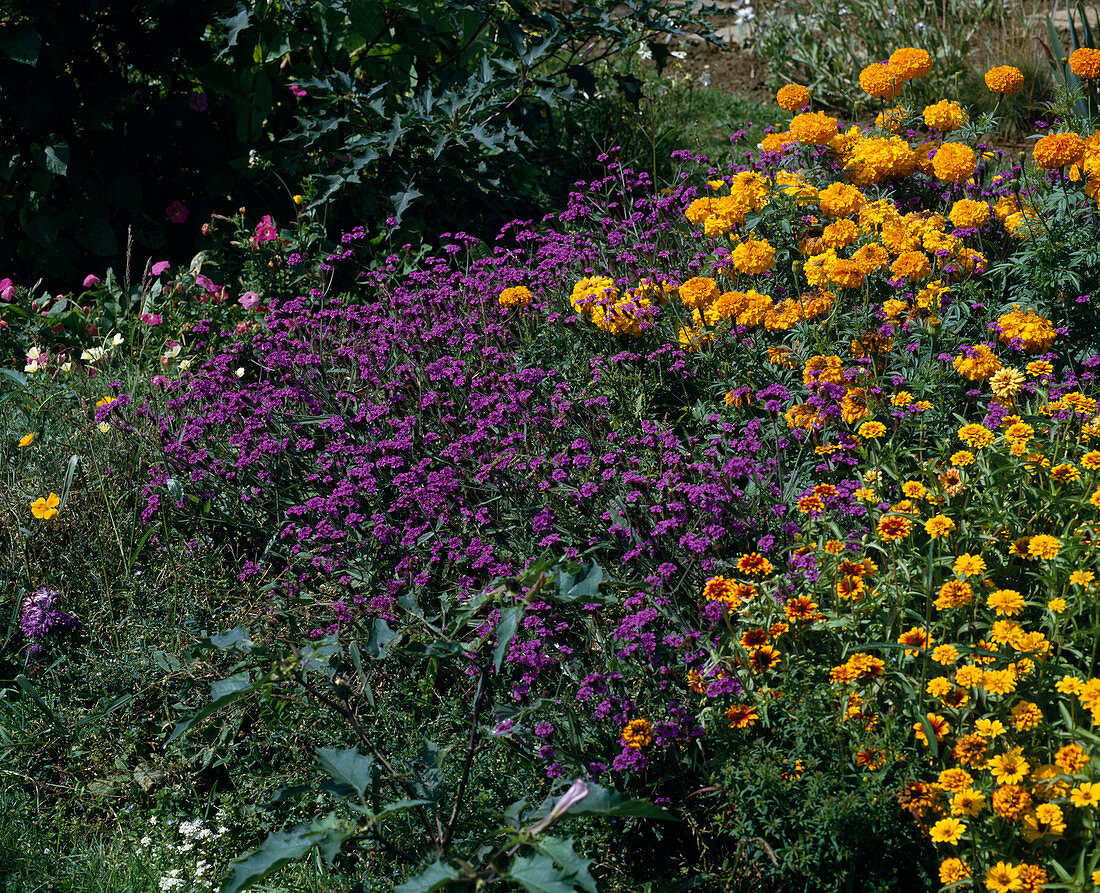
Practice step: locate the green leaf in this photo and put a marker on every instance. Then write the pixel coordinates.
(562, 852)
(21, 44)
(347, 767)
(368, 18)
(436, 875)
(57, 158)
(282, 847)
(538, 874)
(506, 631)
(236, 639)
(228, 691)
(379, 640)
(234, 25)
(30, 691)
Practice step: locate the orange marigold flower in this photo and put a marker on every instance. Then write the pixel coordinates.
(840, 200)
(1010, 801)
(517, 296)
(1057, 150)
(954, 162)
(815, 128)
(792, 97)
(938, 525)
(945, 115)
(911, 62)
(1071, 758)
(1004, 79)
(1044, 546)
(1085, 63)
(953, 870)
(881, 81)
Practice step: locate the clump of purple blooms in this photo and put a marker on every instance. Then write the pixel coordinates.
(42, 619)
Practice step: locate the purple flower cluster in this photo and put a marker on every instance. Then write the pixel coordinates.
(41, 620)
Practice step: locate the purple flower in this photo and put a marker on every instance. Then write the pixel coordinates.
(298, 91)
(91, 280)
(161, 266)
(40, 619)
(176, 212)
(197, 101)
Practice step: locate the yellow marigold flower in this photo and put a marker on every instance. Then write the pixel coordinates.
(911, 63)
(939, 686)
(637, 733)
(977, 363)
(1057, 150)
(1010, 801)
(1026, 716)
(753, 256)
(945, 115)
(841, 200)
(1026, 330)
(947, 831)
(815, 128)
(872, 430)
(1081, 578)
(1085, 63)
(914, 490)
(1046, 821)
(999, 682)
(967, 565)
(1006, 383)
(891, 120)
(1085, 795)
(975, 436)
(954, 594)
(1044, 546)
(1039, 368)
(911, 265)
(989, 728)
(1071, 758)
(1004, 877)
(967, 801)
(953, 870)
(954, 162)
(962, 458)
(968, 213)
(26, 440)
(1069, 685)
(1004, 79)
(517, 296)
(1006, 602)
(699, 292)
(46, 507)
(792, 97)
(776, 142)
(1095, 498)
(881, 81)
(840, 233)
(593, 293)
(945, 654)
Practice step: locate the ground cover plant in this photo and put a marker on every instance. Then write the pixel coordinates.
(731, 533)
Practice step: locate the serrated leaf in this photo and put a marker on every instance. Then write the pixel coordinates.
(283, 847)
(57, 158)
(562, 852)
(347, 767)
(538, 874)
(234, 25)
(431, 878)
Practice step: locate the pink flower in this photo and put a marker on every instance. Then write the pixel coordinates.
(249, 300)
(176, 212)
(265, 231)
(197, 101)
(7, 290)
(151, 319)
(91, 280)
(160, 266)
(298, 91)
(206, 285)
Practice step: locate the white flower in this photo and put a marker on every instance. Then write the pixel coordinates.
(36, 360)
(103, 427)
(117, 339)
(185, 364)
(93, 354)
(240, 372)
(67, 366)
(146, 840)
